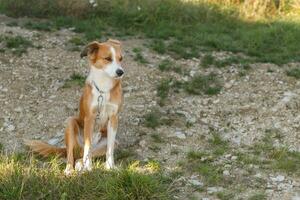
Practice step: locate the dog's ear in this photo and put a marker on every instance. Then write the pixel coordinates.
(115, 42)
(90, 49)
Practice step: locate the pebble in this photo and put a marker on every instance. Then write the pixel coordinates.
(226, 173)
(278, 178)
(196, 182)
(211, 190)
(180, 135)
(54, 141)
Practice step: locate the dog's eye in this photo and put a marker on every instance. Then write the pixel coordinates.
(121, 58)
(108, 59)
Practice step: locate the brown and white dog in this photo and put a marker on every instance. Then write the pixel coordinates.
(100, 104)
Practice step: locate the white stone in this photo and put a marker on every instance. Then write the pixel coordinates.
(195, 182)
(180, 135)
(226, 173)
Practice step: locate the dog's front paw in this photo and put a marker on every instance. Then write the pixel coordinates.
(109, 165)
(87, 165)
(69, 170)
(79, 165)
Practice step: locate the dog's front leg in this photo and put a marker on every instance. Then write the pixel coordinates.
(111, 135)
(87, 154)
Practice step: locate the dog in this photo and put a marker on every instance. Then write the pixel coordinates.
(99, 108)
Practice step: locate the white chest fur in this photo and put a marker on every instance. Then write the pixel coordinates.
(101, 85)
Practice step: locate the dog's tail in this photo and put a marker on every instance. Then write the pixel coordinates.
(45, 149)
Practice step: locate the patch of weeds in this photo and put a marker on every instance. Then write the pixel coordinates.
(40, 26)
(139, 56)
(152, 119)
(163, 89)
(18, 44)
(158, 46)
(194, 155)
(77, 41)
(167, 65)
(156, 118)
(155, 148)
(157, 138)
(75, 79)
(258, 196)
(12, 23)
(225, 195)
(202, 84)
(220, 146)
(124, 154)
(212, 173)
(207, 60)
(295, 72)
(286, 161)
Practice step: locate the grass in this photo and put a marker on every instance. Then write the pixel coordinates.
(158, 46)
(179, 28)
(74, 80)
(208, 60)
(157, 138)
(29, 178)
(295, 72)
(163, 89)
(203, 84)
(40, 26)
(258, 196)
(17, 44)
(157, 118)
(167, 65)
(139, 56)
(77, 41)
(218, 144)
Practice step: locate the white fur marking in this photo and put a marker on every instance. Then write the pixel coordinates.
(111, 135)
(111, 68)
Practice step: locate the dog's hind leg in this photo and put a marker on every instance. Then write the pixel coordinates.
(71, 135)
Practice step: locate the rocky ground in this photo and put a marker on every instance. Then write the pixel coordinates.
(35, 105)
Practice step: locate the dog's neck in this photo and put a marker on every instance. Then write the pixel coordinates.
(100, 80)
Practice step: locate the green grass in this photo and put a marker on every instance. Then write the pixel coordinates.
(29, 178)
(17, 44)
(295, 72)
(139, 56)
(258, 196)
(163, 89)
(156, 118)
(203, 84)
(167, 65)
(218, 144)
(40, 26)
(157, 138)
(179, 28)
(75, 80)
(77, 41)
(158, 46)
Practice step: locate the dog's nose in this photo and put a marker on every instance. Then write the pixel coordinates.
(119, 72)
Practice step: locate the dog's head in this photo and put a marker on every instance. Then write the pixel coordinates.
(106, 56)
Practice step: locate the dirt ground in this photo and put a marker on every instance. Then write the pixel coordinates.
(35, 105)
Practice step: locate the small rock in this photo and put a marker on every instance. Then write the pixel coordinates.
(233, 157)
(211, 190)
(278, 178)
(54, 141)
(195, 182)
(180, 135)
(142, 143)
(226, 173)
(10, 127)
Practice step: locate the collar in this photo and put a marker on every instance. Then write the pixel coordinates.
(97, 88)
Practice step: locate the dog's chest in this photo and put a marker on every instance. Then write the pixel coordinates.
(102, 106)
